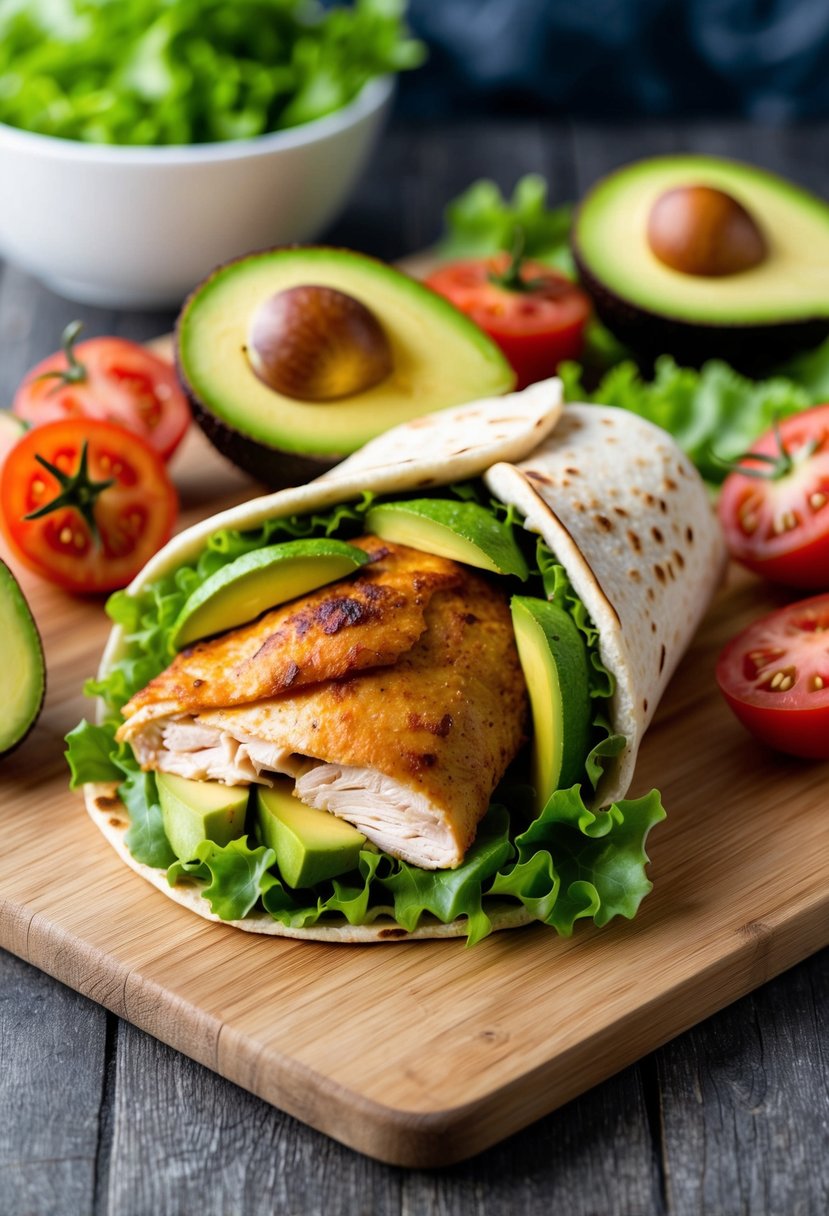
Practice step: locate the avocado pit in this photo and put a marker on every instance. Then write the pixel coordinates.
(314, 343)
(699, 230)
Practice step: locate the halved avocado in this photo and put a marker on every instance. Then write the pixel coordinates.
(24, 669)
(765, 298)
(259, 580)
(436, 357)
(553, 658)
(463, 531)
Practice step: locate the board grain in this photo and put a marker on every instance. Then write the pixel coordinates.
(423, 1054)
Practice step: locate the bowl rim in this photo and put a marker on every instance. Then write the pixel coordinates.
(373, 96)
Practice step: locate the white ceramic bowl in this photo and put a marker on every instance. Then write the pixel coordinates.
(137, 227)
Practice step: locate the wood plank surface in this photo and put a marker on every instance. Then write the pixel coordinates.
(686, 1131)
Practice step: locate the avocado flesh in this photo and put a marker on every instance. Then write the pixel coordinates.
(310, 845)
(24, 670)
(554, 661)
(463, 531)
(193, 811)
(750, 318)
(259, 580)
(440, 358)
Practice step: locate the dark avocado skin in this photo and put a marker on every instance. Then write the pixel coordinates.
(752, 349)
(272, 467)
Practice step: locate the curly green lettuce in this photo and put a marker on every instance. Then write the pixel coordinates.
(190, 71)
(715, 413)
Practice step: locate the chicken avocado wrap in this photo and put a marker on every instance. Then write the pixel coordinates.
(406, 700)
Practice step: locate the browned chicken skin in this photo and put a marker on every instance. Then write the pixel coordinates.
(368, 620)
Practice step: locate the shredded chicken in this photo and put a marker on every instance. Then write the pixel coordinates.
(398, 819)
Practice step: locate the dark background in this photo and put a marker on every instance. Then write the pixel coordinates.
(763, 59)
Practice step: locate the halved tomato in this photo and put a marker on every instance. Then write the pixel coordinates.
(774, 508)
(85, 503)
(113, 380)
(775, 677)
(536, 315)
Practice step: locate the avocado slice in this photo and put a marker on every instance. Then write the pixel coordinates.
(553, 657)
(310, 845)
(463, 531)
(24, 668)
(439, 358)
(259, 580)
(751, 317)
(193, 811)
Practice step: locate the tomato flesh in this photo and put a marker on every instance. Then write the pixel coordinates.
(536, 329)
(125, 383)
(133, 517)
(775, 677)
(780, 528)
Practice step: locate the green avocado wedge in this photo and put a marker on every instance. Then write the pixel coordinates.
(260, 580)
(24, 669)
(463, 531)
(193, 811)
(554, 660)
(310, 845)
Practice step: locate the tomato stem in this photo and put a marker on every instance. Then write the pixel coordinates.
(75, 371)
(78, 491)
(781, 464)
(512, 279)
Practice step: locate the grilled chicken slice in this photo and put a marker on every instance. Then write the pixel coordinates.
(409, 753)
(368, 620)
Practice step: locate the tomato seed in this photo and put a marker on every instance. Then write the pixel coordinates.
(817, 683)
(817, 500)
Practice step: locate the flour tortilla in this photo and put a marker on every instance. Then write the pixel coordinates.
(590, 486)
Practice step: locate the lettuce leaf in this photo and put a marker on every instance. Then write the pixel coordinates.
(93, 755)
(190, 71)
(811, 372)
(89, 754)
(145, 838)
(574, 862)
(481, 221)
(568, 864)
(235, 875)
(714, 414)
(448, 894)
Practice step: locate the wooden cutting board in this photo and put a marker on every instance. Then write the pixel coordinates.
(425, 1053)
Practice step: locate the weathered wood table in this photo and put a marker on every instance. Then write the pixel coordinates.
(733, 1117)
